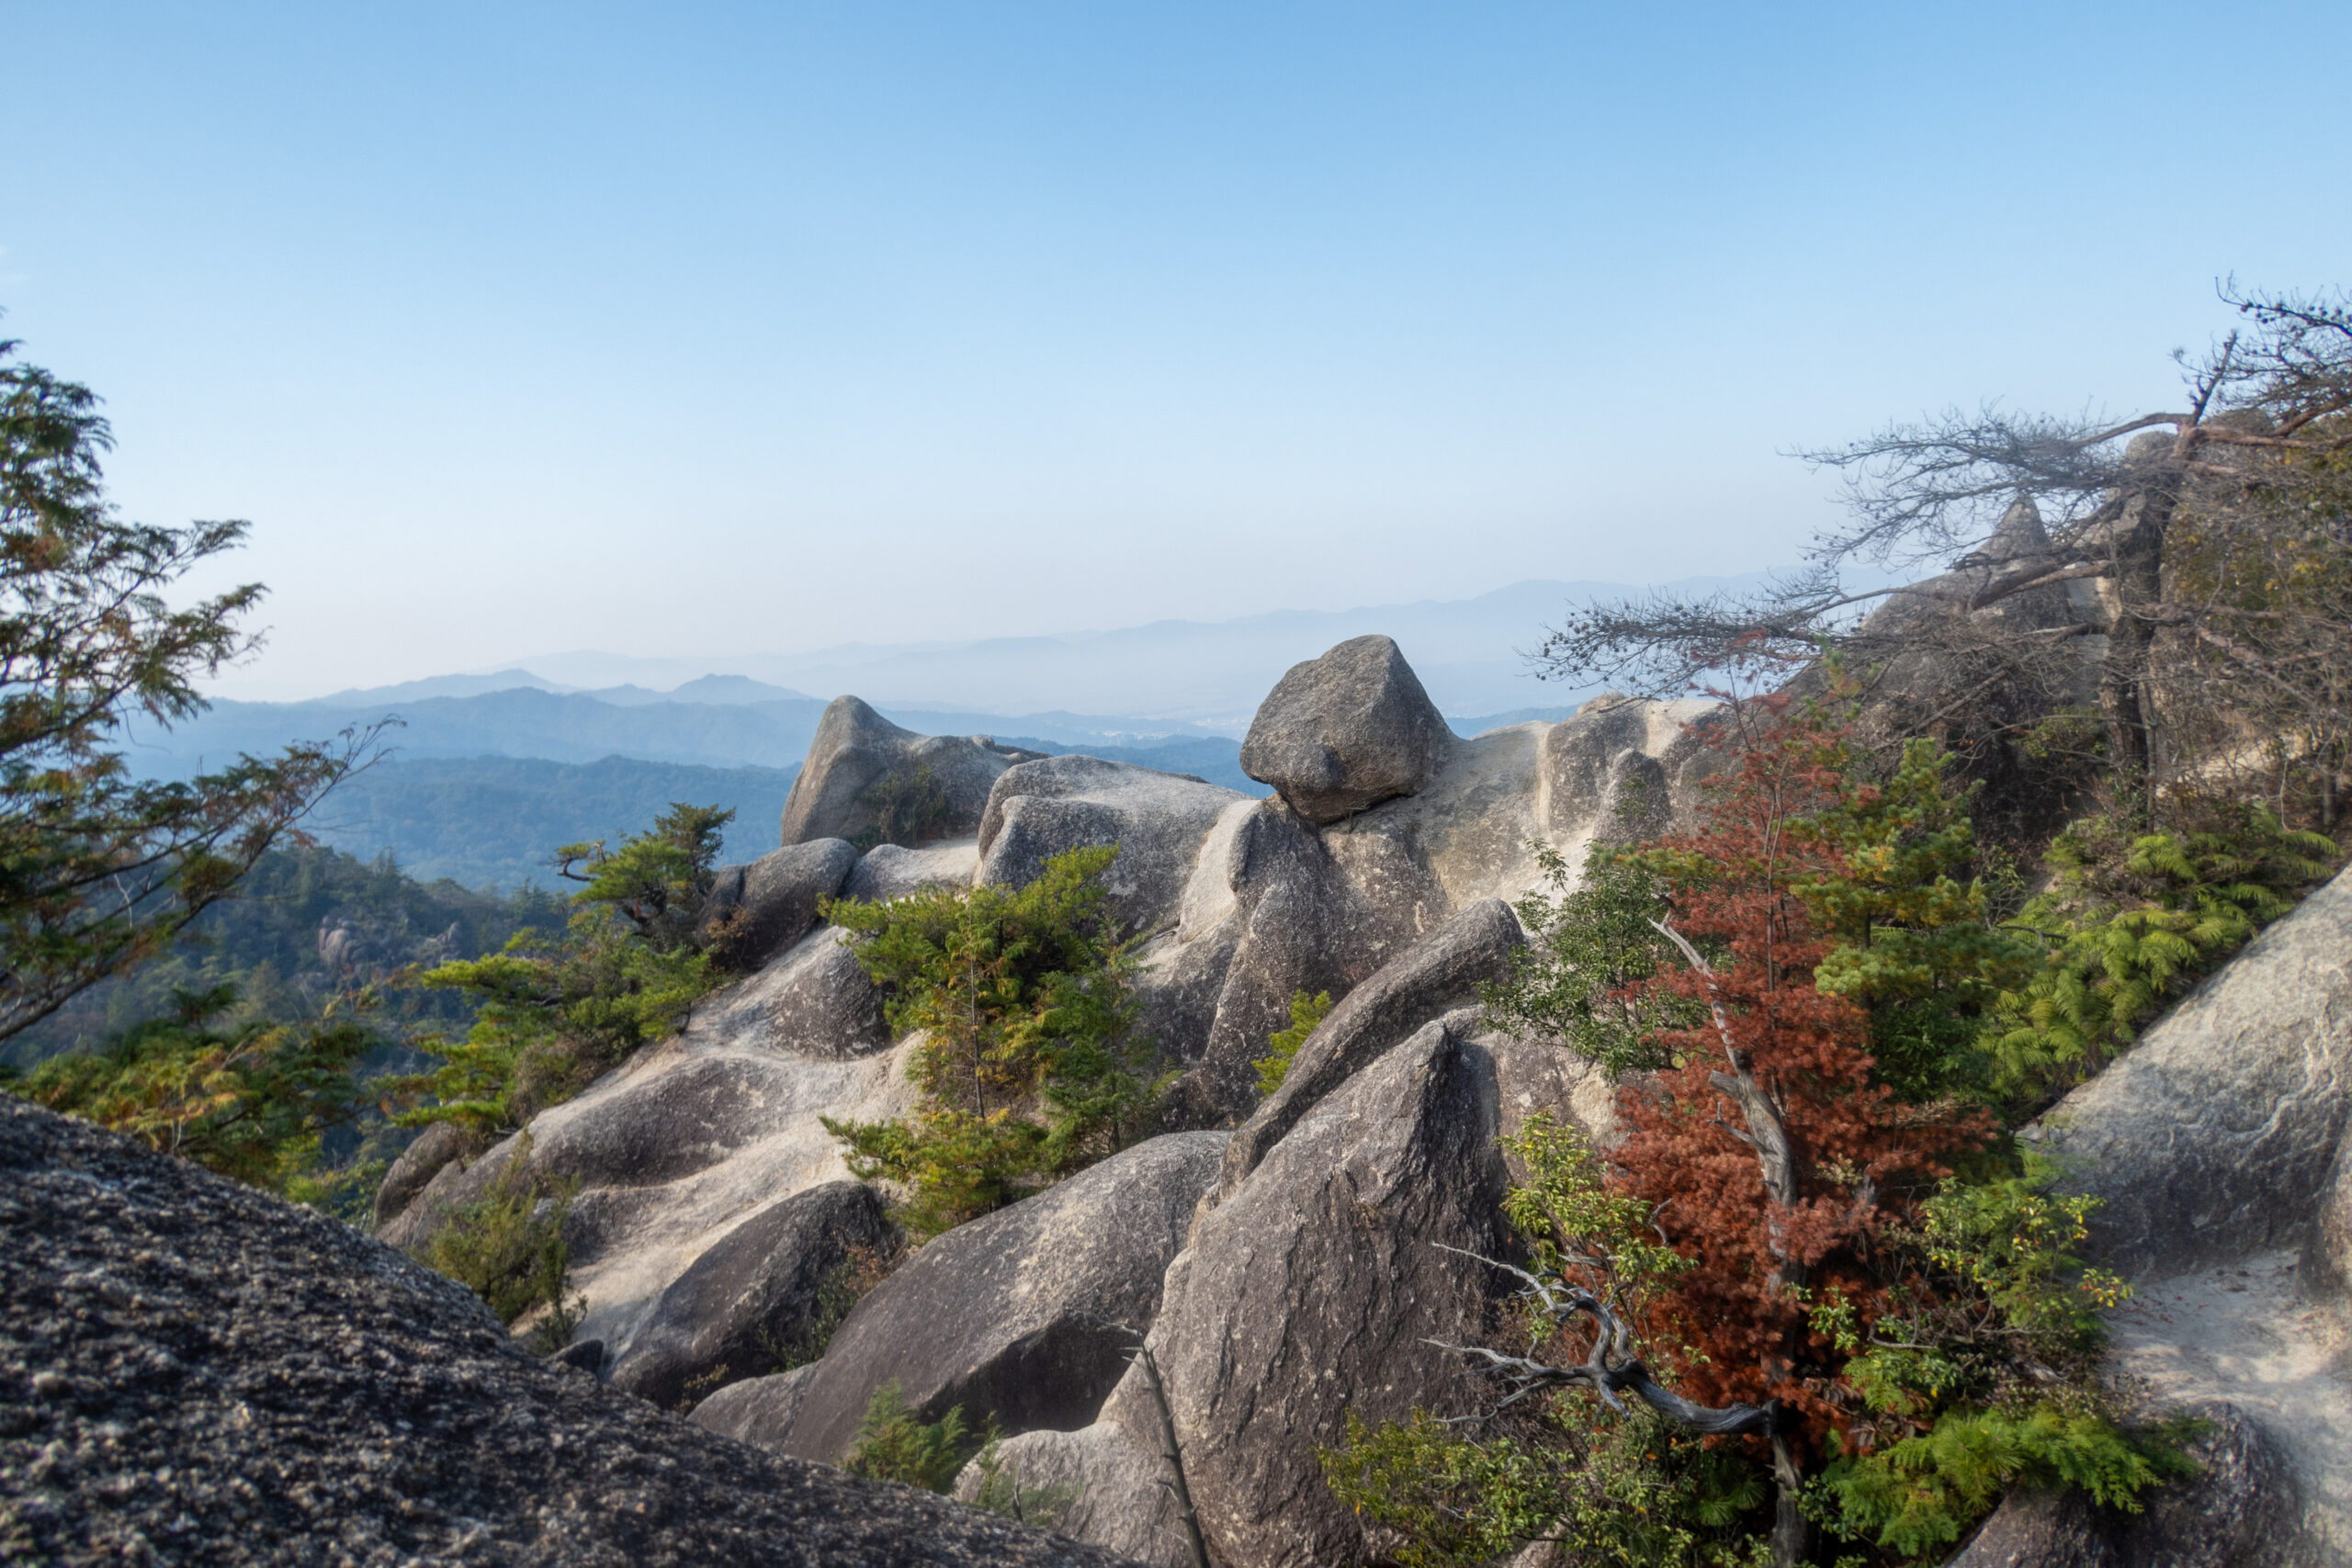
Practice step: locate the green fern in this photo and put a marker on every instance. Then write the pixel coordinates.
(1283, 1045)
(2131, 924)
(1917, 1496)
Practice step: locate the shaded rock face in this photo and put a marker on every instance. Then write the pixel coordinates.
(1440, 972)
(1159, 820)
(423, 1159)
(1311, 1291)
(2239, 1512)
(1346, 731)
(2211, 1139)
(754, 1410)
(853, 749)
(2326, 1265)
(754, 1294)
(1014, 1316)
(757, 910)
(1301, 923)
(1123, 1501)
(200, 1373)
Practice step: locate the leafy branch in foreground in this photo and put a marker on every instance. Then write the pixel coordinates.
(99, 871)
(253, 1102)
(2219, 533)
(554, 1014)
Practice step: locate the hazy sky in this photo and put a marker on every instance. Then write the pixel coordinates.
(689, 329)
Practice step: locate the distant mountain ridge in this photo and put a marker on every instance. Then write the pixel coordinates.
(1167, 677)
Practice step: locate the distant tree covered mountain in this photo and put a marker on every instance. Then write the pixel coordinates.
(306, 925)
(492, 822)
(522, 722)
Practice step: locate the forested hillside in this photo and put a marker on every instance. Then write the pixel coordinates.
(307, 925)
(492, 822)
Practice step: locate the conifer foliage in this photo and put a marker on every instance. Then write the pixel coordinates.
(1032, 1064)
(1809, 1254)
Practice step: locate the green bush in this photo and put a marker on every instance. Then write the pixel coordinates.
(1628, 1490)
(1032, 1065)
(892, 1445)
(2132, 921)
(1283, 1045)
(552, 1016)
(1590, 943)
(253, 1102)
(1917, 1497)
(507, 1246)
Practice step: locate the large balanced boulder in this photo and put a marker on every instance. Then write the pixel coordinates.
(1041, 809)
(2211, 1139)
(1346, 731)
(1435, 974)
(757, 910)
(192, 1371)
(1023, 1315)
(755, 1296)
(2241, 1510)
(855, 749)
(1314, 1292)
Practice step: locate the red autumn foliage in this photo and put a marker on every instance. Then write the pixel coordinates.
(1861, 1158)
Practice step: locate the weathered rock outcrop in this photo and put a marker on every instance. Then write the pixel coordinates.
(1346, 731)
(754, 1410)
(2240, 1511)
(1440, 972)
(1312, 1291)
(1159, 820)
(855, 748)
(426, 1156)
(753, 1294)
(198, 1372)
(757, 910)
(673, 1151)
(2327, 1252)
(890, 871)
(1123, 1501)
(2211, 1139)
(813, 1000)
(1015, 1315)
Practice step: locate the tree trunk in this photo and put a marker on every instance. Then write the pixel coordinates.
(1791, 1533)
(2123, 681)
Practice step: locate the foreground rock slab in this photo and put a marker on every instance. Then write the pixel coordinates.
(191, 1372)
(1016, 1315)
(1312, 1293)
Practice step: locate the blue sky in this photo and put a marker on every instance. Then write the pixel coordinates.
(709, 329)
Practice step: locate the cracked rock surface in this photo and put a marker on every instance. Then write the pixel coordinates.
(191, 1372)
